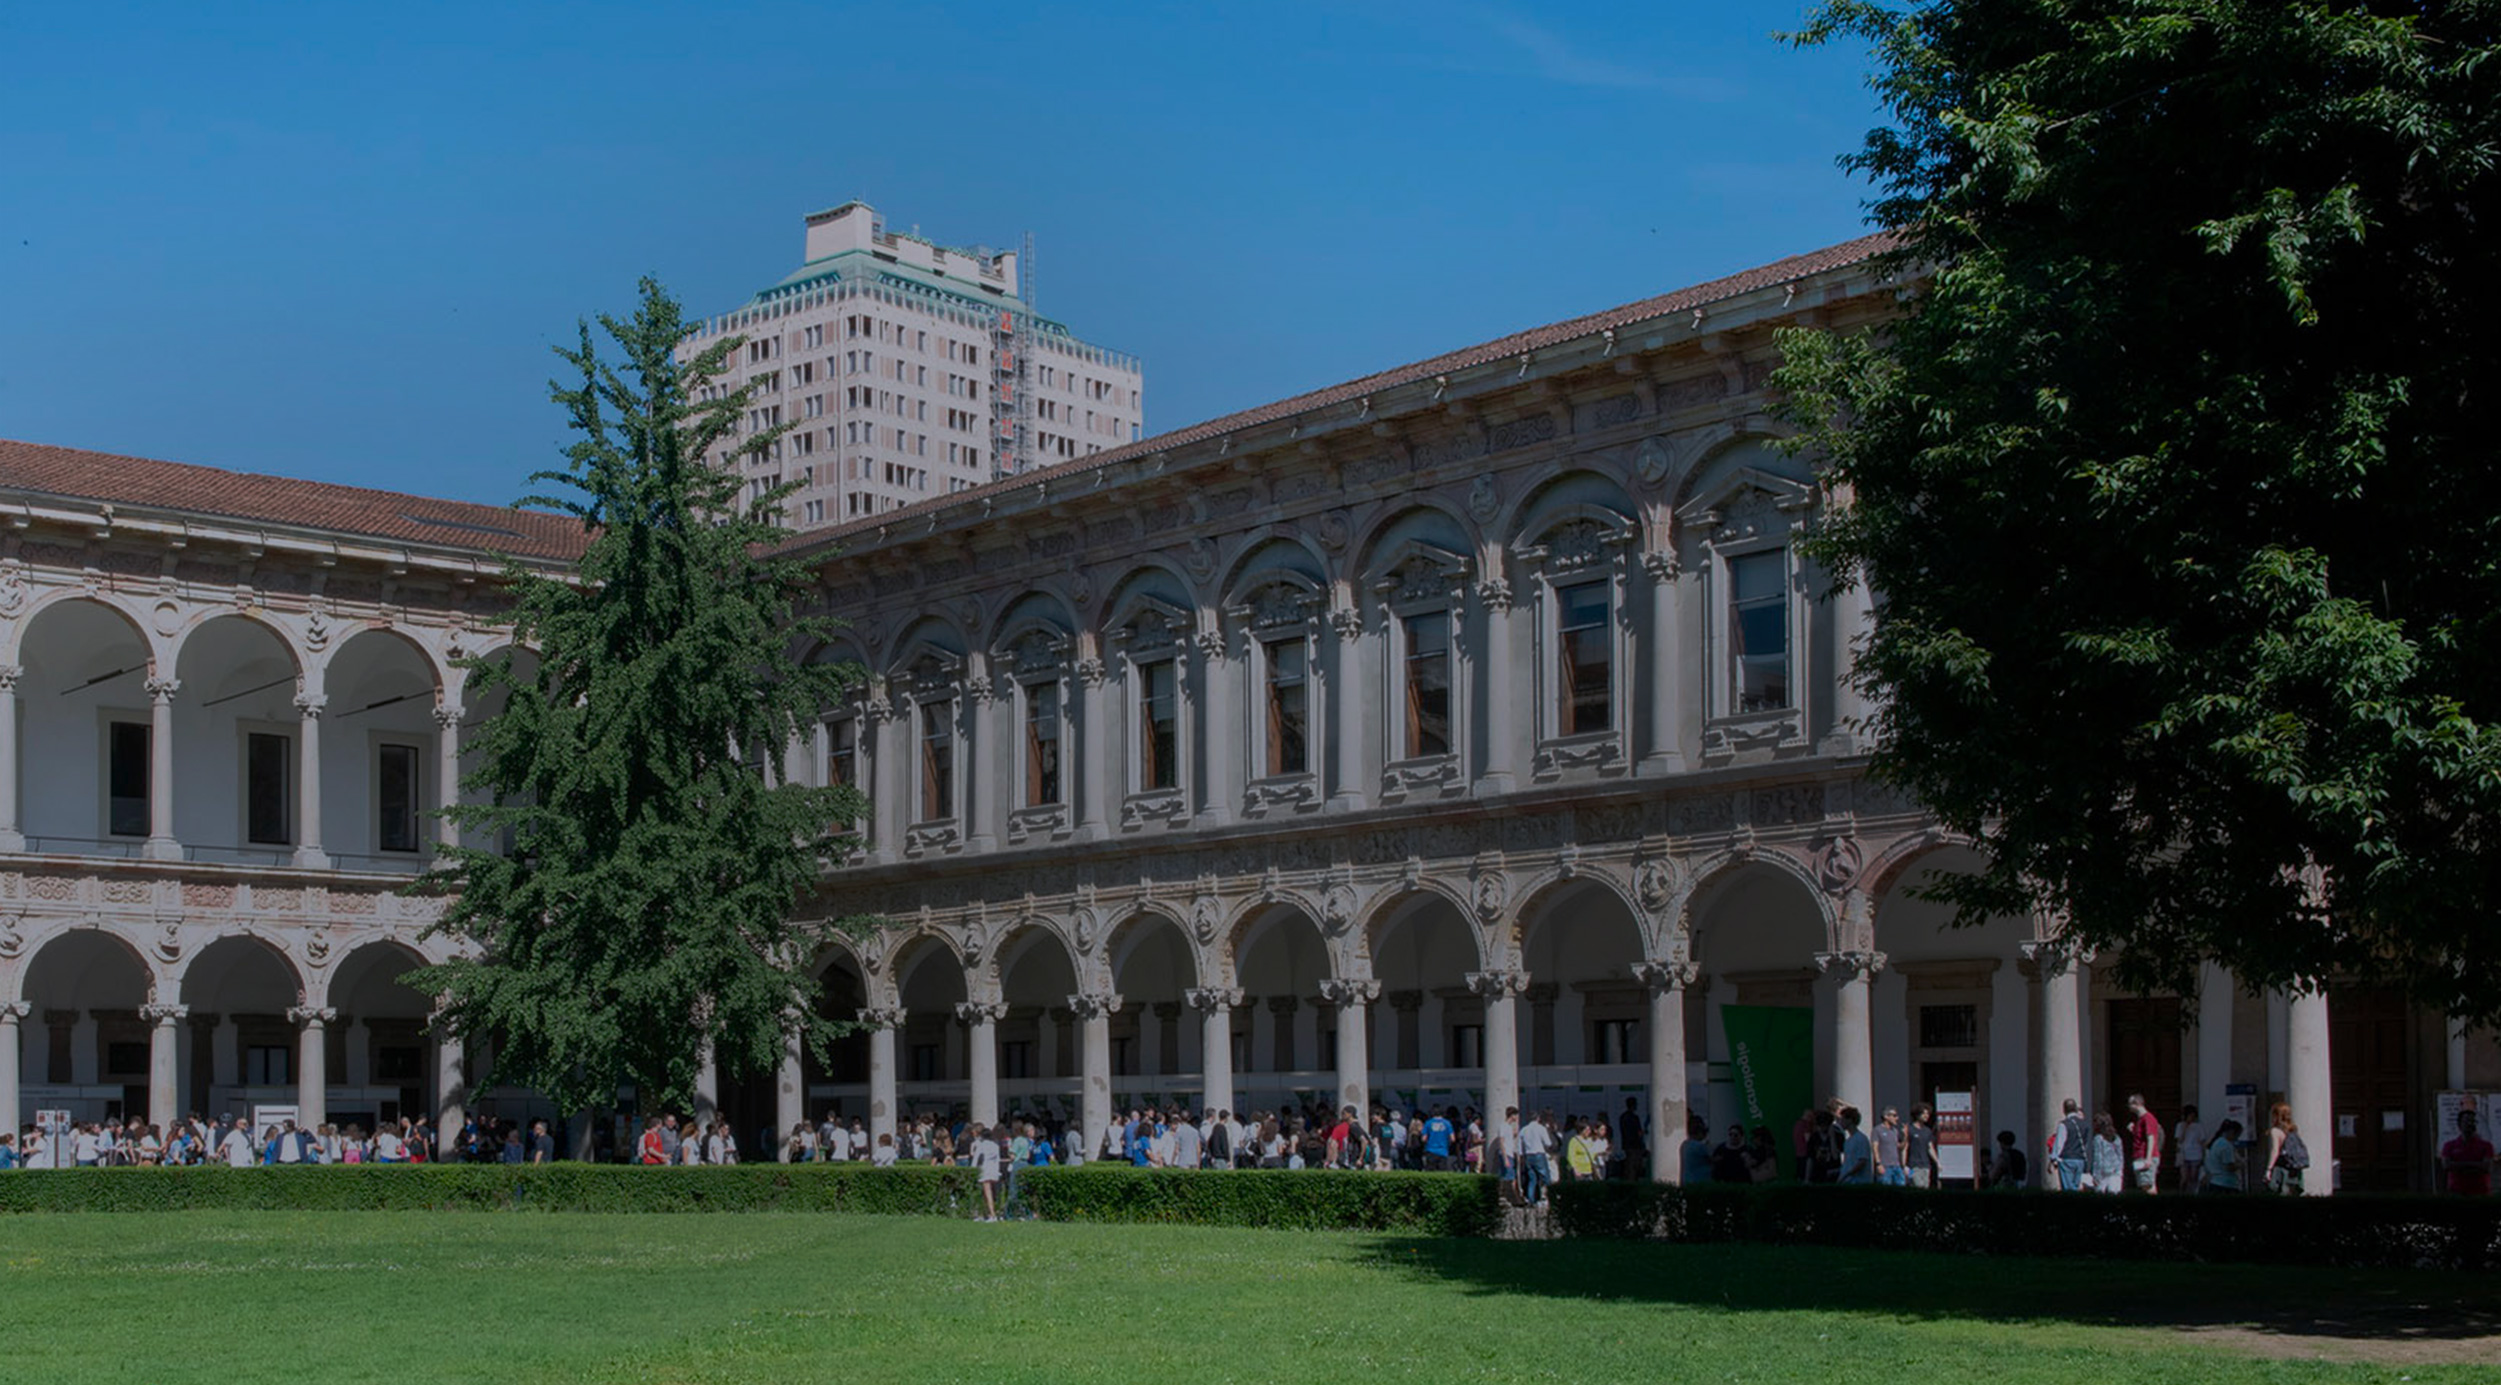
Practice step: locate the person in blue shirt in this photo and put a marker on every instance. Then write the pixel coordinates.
(1438, 1133)
(1695, 1155)
(1858, 1155)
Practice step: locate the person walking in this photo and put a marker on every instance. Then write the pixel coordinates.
(1858, 1155)
(2189, 1138)
(2466, 1161)
(2106, 1157)
(2222, 1168)
(985, 1148)
(2069, 1146)
(2144, 1144)
(1919, 1148)
(1890, 1170)
(2288, 1158)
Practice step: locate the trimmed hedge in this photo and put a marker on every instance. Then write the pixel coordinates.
(561, 1187)
(1432, 1204)
(2350, 1231)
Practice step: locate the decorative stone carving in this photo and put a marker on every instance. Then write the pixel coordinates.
(1498, 983)
(1495, 593)
(1658, 881)
(1839, 862)
(1204, 915)
(1484, 499)
(1489, 894)
(1671, 974)
(1850, 966)
(311, 1016)
(1205, 999)
(1337, 908)
(1437, 774)
(1263, 796)
(1164, 806)
(1088, 1005)
(164, 1014)
(972, 1012)
(12, 937)
(169, 941)
(883, 1016)
(1200, 558)
(1345, 991)
(1581, 753)
(1650, 461)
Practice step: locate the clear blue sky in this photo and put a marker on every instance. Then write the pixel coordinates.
(335, 241)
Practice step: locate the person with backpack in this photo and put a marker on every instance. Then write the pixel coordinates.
(2288, 1158)
(2069, 1145)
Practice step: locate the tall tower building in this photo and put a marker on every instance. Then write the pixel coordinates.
(910, 369)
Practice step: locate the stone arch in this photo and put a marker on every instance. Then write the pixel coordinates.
(84, 668)
(1904, 853)
(1374, 922)
(158, 651)
(1580, 939)
(1420, 518)
(106, 940)
(1225, 951)
(1261, 927)
(382, 1033)
(1573, 490)
(1731, 885)
(1150, 582)
(1149, 959)
(199, 622)
(304, 985)
(1032, 612)
(1541, 893)
(1744, 453)
(365, 634)
(244, 683)
(1281, 552)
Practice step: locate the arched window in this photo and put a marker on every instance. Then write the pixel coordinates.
(1421, 592)
(1036, 660)
(933, 690)
(1150, 639)
(1579, 566)
(1279, 620)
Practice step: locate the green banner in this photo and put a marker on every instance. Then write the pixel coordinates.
(1771, 1057)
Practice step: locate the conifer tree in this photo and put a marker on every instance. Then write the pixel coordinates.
(641, 909)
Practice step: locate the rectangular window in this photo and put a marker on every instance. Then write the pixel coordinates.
(1428, 684)
(1289, 708)
(268, 809)
(1587, 650)
(1758, 629)
(1612, 1041)
(1159, 726)
(937, 761)
(1467, 1045)
(268, 1066)
(925, 1062)
(126, 778)
(396, 778)
(1949, 1026)
(1016, 1059)
(1041, 744)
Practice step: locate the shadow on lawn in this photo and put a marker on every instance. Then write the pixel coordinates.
(2362, 1305)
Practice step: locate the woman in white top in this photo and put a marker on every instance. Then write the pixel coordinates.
(883, 1156)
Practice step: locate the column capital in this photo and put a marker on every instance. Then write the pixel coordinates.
(2047, 959)
(1495, 593)
(13, 1011)
(162, 690)
(882, 1016)
(165, 1015)
(9, 674)
(311, 705)
(1672, 974)
(1344, 991)
(1347, 621)
(311, 1016)
(1499, 984)
(1661, 565)
(1092, 672)
(980, 1011)
(1851, 966)
(446, 714)
(1209, 999)
(1087, 1005)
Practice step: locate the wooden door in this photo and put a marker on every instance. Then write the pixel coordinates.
(2371, 1063)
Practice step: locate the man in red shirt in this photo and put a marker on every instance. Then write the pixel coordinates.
(2466, 1162)
(1341, 1138)
(2144, 1144)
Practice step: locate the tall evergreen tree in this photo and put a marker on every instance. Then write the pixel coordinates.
(2176, 476)
(643, 908)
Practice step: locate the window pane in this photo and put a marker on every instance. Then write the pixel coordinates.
(1159, 727)
(937, 761)
(1758, 629)
(267, 766)
(1289, 723)
(1587, 654)
(397, 780)
(1428, 684)
(126, 749)
(1041, 744)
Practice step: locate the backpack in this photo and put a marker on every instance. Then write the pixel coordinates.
(2073, 1142)
(2294, 1154)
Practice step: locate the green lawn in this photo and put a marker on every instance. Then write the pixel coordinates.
(339, 1297)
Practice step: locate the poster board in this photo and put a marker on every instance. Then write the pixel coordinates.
(263, 1117)
(1954, 1135)
(2447, 1105)
(2240, 1103)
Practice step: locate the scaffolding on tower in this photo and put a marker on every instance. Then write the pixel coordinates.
(1011, 407)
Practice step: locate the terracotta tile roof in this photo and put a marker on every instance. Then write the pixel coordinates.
(386, 515)
(1682, 300)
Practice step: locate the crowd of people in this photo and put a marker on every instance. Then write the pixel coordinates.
(1530, 1153)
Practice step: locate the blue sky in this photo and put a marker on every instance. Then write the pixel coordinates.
(336, 241)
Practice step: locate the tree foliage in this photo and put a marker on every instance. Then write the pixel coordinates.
(643, 904)
(2175, 475)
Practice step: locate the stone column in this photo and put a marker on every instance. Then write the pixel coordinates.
(1502, 991)
(1667, 981)
(790, 1090)
(447, 770)
(451, 1087)
(1665, 753)
(707, 1085)
(1346, 699)
(1353, 997)
(12, 1058)
(982, 786)
(1850, 613)
(883, 1021)
(1501, 731)
(312, 1075)
(1094, 744)
(1215, 1044)
(2058, 1038)
(308, 852)
(2308, 1089)
(12, 828)
(161, 844)
(1220, 732)
(1094, 1102)
(1288, 1057)
(164, 1065)
(981, 1055)
(1853, 1050)
(2214, 1043)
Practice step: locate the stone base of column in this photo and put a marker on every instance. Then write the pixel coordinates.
(162, 849)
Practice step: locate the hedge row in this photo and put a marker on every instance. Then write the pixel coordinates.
(563, 1187)
(1432, 1204)
(2348, 1231)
